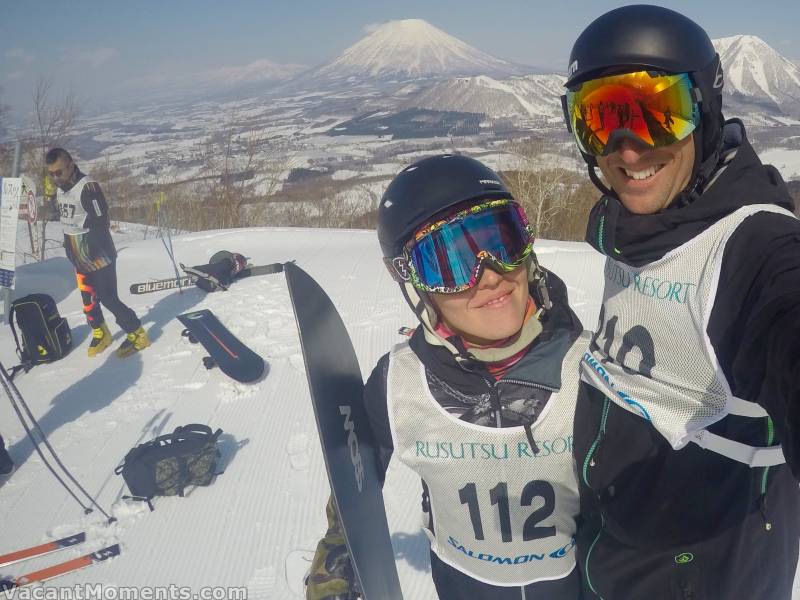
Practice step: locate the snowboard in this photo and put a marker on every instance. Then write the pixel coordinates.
(233, 358)
(336, 387)
(173, 283)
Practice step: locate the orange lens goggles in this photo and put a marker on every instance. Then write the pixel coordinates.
(657, 108)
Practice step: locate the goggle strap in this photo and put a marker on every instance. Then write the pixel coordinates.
(565, 108)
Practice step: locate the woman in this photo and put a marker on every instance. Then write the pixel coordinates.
(480, 401)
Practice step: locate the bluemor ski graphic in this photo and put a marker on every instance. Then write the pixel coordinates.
(158, 285)
(42, 549)
(69, 566)
(334, 380)
(173, 283)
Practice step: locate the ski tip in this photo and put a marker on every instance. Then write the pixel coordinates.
(106, 553)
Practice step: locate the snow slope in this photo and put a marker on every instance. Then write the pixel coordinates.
(269, 501)
(528, 96)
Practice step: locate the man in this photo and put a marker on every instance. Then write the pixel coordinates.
(691, 394)
(87, 240)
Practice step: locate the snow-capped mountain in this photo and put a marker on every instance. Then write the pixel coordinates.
(527, 96)
(410, 49)
(757, 74)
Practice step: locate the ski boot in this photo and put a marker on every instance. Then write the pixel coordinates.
(134, 341)
(101, 339)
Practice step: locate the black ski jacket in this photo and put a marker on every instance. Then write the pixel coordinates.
(474, 395)
(665, 524)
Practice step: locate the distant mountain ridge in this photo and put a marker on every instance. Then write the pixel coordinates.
(219, 80)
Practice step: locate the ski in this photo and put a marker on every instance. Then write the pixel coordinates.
(348, 447)
(173, 283)
(69, 566)
(42, 549)
(261, 270)
(159, 285)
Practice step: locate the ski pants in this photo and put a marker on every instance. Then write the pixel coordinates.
(100, 287)
(452, 584)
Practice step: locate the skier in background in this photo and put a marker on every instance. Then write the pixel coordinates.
(692, 401)
(480, 401)
(668, 120)
(87, 240)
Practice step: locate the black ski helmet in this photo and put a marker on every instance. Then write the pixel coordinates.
(644, 36)
(428, 187)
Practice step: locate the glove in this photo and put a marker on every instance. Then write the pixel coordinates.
(331, 575)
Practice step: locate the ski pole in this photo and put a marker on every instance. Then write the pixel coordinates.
(11, 391)
(162, 222)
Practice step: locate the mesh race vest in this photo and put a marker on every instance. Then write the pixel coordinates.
(651, 354)
(76, 238)
(73, 215)
(502, 513)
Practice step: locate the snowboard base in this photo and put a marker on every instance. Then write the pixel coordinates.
(225, 350)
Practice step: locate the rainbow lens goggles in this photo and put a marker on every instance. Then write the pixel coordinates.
(657, 108)
(449, 255)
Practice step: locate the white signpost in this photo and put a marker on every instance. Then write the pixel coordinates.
(9, 210)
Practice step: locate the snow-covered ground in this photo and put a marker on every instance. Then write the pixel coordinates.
(270, 500)
(785, 160)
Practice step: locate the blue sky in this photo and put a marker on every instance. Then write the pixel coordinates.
(92, 48)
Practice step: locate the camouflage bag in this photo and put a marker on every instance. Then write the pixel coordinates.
(170, 463)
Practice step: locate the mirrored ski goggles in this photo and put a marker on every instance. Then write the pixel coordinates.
(657, 108)
(448, 256)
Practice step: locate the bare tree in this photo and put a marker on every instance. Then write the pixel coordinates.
(53, 123)
(6, 147)
(556, 200)
(242, 169)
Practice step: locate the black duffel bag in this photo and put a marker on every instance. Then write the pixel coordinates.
(170, 463)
